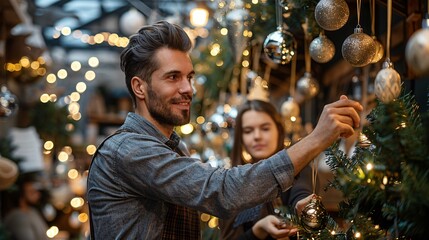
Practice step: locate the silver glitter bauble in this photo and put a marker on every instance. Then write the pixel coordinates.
(314, 216)
(417, 52)
(387, 85)
(290, 108)
(280, 46)
(307, 86)
(379, 50)
(331, 15)
(322, 49)
(358, 49)
(8, 102)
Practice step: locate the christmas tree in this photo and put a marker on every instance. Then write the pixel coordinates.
(386, 181)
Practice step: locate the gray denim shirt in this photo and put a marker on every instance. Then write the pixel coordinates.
(135, 174)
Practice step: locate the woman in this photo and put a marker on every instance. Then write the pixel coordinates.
(259, 133)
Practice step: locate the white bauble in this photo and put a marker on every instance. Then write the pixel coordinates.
(387, 84)
(417, 52)
(131, 21)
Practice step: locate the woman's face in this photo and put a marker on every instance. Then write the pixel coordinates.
(260, 134)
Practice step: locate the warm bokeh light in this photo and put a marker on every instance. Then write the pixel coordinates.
(199, 17)
(48, 145)
(63, 156)
(187, 129)
(75, 66)
(62, 73)
(81, 87)
(90, 149)
(90, 75)
(93, 61)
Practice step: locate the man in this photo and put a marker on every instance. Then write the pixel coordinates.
(143, 185)
(25, 221)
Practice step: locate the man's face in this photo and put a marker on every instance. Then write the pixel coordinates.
(169, 94)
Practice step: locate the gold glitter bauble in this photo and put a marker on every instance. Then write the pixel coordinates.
(379, 50)
(359, 48)
(331, 15)
(322, 49)
(417, 52)
(280, 46)
(307, 86)
(387, 85)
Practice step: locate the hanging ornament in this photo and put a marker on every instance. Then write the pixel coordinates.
(8, 102)
(331, 15)
(387, 83)
(280, 46)
(236, 24)
(322, 49)
(417, 52)
(358, 49)
(307, 86)
(314, 216)
(290, 108)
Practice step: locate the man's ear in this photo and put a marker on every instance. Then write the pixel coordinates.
(139, 87)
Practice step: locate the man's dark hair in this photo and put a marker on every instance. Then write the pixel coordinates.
(137, 59)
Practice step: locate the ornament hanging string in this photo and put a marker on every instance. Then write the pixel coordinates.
(372, 10)
(279, 11)
(314, 171)
(292, 76)
(307, 56)
(389, 21)
(358, 3)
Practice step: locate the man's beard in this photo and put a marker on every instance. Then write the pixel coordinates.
(160, 110)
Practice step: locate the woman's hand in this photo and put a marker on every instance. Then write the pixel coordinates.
(274, 227)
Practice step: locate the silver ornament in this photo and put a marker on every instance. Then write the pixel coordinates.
(290, 108)
(417, 52)
(280, 46)
(322, 49)
(359, 48)
(379, 50)
(331, 15)
(8, 102)
(314, 216)
(307, 86)
(387, 83)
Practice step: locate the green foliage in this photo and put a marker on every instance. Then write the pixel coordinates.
(386, 184)
(52, 122)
